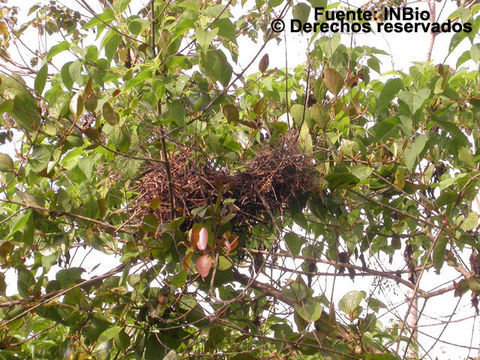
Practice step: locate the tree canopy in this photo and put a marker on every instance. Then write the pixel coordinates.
(234, 197)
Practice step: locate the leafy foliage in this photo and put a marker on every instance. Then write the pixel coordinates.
(159, 98)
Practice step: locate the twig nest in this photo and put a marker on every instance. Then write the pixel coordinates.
(270, 180)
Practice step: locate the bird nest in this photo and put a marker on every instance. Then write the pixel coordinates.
(278, 173)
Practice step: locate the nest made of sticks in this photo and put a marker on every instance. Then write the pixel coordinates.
(277, 173)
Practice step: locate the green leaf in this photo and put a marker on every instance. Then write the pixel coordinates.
(66, 77)
(310, 311)
(319, 115)
(122, 140)
(205, 37)
(57, 49)
(466, 156)
(333, 80)
(447, 182)
(25, 281)
(176, 112)
(301, 11)
(305, 140)
(224, 263)
(349, 148)
(6, 106)
(122, 341)
(475, 53)
(299, 114)
(329, 44)
(463, 58)
(25, 108)
(29, 199)
(87, 165)
(121, 5)
(91, 103)
(294, 242)
(32, 9)
(6, 163)
(414, 100)
(339, 180)
(391, 88)
(473, 284)
(20, 222)
(362, 172)
(231, 113)
(68, 277)
(109, 334)
(381, 357)
(3, 285)
(179, 280)
(76, 105)
(318, 4)
(275, 3)
(172, 355)
(413, 150)
(41, 79)
(374, 64)
(40, 157)
(456, 40)
(109, 114)
(439, 252)
(470, 222)
(111, 42)
(225, 29)
(350, 303)
(217, 66)
(296, 291)
(385, 128)
(103, 19)
(58, 103)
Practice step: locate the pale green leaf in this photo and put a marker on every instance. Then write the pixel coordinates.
(470, 222)
(6, 163)
(413, 150)
(109, 334)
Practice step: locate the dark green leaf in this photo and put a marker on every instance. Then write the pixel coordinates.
(25, 107)
(294, 242)
(109, 114)
(109, 334)
(413, 150)
(301, 12)
(439, 252)
(6, 106)
(41, 79)
(25, 283)
(217, 66)
(40, 157)
(390, 89)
